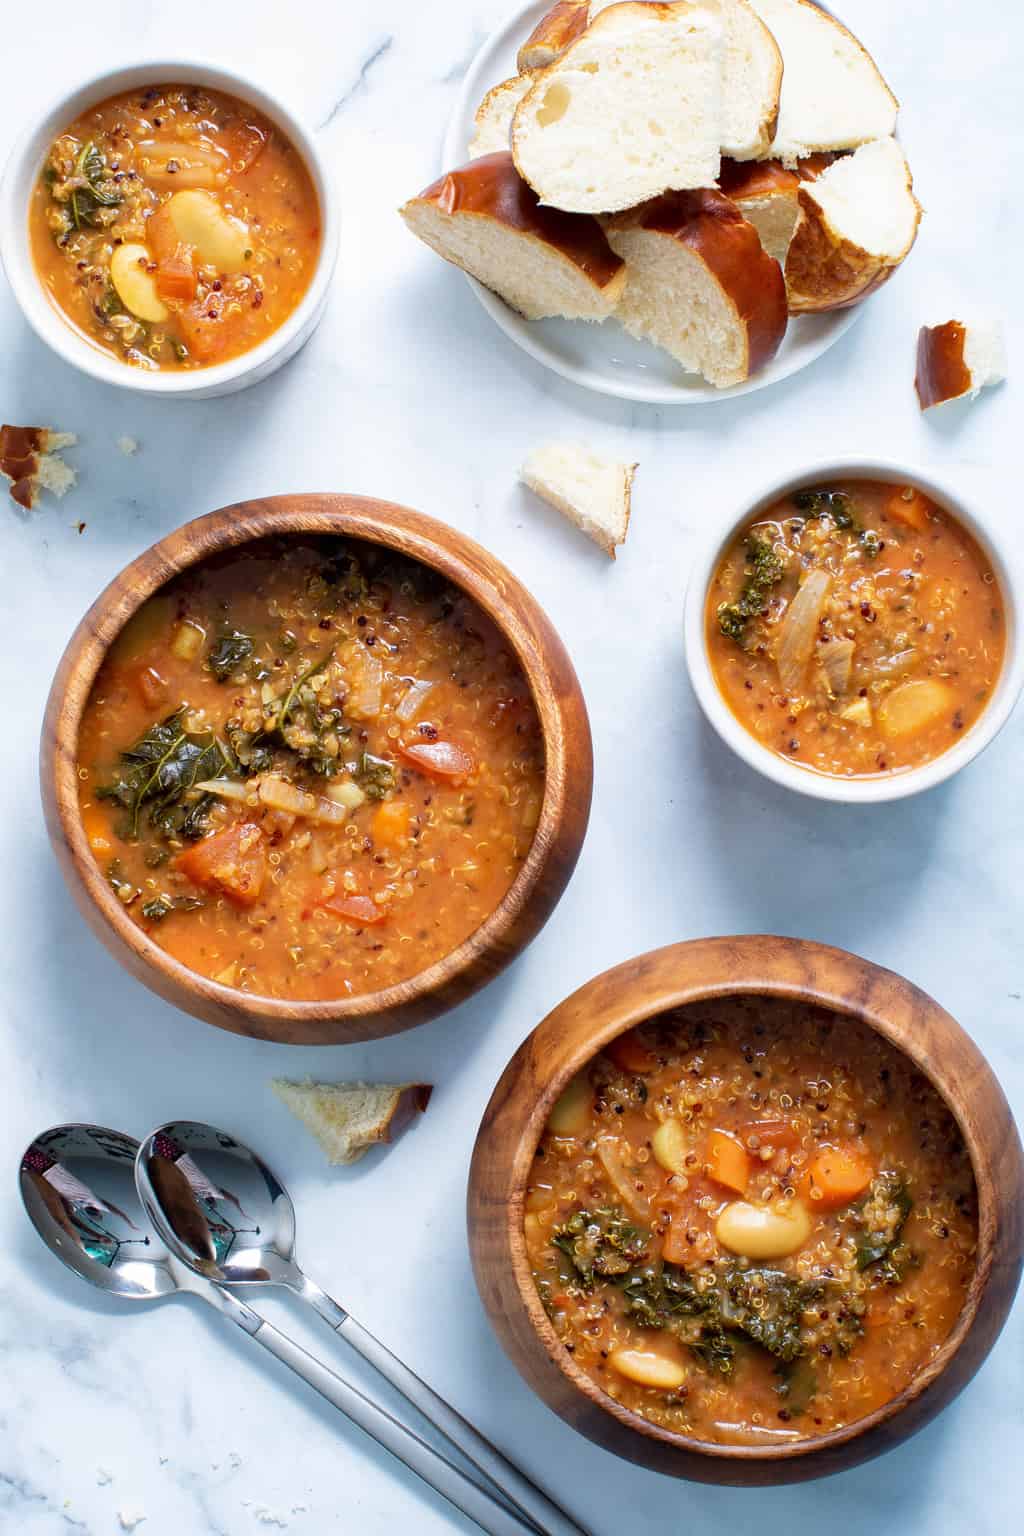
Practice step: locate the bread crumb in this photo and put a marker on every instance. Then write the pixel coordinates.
(128, 446)
(103, 1477)
(592, 492)
(130, 1518)
(30, 460)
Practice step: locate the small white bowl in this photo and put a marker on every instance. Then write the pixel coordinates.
(806, 781)
(50, 324)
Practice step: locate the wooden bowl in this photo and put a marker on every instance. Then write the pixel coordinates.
(560, 830)
(685, 973)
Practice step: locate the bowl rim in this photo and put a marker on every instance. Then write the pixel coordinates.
(60, 333)
(616, 1018)
(806, 781)
(419, 537)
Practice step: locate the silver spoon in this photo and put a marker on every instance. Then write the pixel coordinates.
(222, 1211)
(78, 1185)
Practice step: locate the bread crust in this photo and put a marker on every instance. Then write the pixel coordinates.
(826, 271)
(709, 224)
(942, 371)
(756, 178)
(516, 86)
(552, 35)
(492, 188)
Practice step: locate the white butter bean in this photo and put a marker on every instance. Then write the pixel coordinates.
(220, 240)
(669, 1146)
(647, 1368)
(763, 1231)
(135, 286)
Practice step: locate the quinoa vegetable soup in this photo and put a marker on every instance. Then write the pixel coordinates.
(751, 1221)
(855, 629)
(310, 768)
(174, 226)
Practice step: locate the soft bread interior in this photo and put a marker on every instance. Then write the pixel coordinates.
(593, 492)
(775, 217)
(985, 355)
(833, 96)
(346, 1118)
(530, 274)
(633, 107)
(672, 299)
(493, 131)
(867, 199)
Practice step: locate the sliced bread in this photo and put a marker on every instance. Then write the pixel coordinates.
(631, 108)
(493, 121)
(486, 220)
(768, 196)
(552, 35)
(30, 460)
(592, 492)
(751, 78)
(957, 361)
(833, 95)
(700, 284)
(858, 221)
(348, 1119)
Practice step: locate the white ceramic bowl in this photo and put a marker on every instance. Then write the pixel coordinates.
(806, 781)
(46, 319)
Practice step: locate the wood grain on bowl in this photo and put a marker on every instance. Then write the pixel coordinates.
(705, 970)
(559, 707)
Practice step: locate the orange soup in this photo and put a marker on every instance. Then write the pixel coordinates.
(174, 226)
(856, 629)
(310, 769)
(751, 1221)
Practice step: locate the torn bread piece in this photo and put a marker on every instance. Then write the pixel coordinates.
(751, 78)
(592, 492)
(486, 220)
(493, 120)
(859, 220)
(30, 460)
(633, 107)
(700, 285)
(833, 94)
(348, 1119)
(768, 196)
(957, 361)
(552, 35)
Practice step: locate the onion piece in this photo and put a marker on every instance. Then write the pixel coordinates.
(278, 795)
(800, 629)
(346, 793)
(836, 660)
(624, 1180)
(226, 789)
(413, 699)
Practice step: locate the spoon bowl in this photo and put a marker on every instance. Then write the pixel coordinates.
(77, 1183)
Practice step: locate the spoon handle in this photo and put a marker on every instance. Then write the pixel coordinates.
(402, 1442)
(507, 1478)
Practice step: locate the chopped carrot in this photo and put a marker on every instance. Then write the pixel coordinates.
(360, 911)
(835, 1178)
(152, 687)
(94, 824)
(772, 1133)
(728, 1161)
(629, 1053)
(175, 277)
(913, 511)
(206, 330)
(161, 235)
(441, 759)
(676, 1247)
(232, 861)
(390, 825)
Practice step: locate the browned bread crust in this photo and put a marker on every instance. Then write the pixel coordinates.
(942, 371)
(553, 34)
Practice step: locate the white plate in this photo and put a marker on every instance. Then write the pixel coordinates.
(603, 357)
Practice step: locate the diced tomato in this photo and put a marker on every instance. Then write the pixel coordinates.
(161, 235)
(913, 511)
(245, 144)
(728, 1161)
(360, 911)
(390, 825)
(175, 277)
(206, 330)
(629, 1053)
(771, 1133)
(694, 1210)
(152, 687)
(233, 861)
(441, 759)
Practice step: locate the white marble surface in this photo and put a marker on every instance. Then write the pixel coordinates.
(407, 392)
